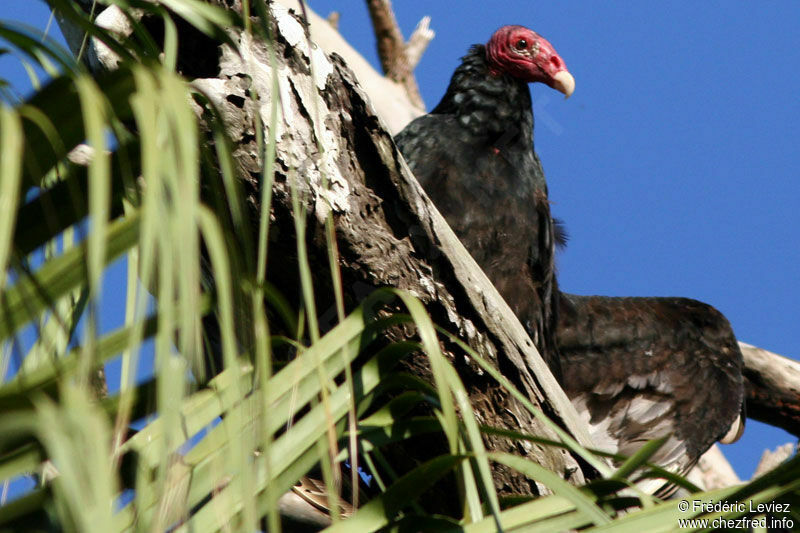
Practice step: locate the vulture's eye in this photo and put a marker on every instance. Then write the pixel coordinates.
(522, 44)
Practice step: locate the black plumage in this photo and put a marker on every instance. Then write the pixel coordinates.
(638, 369)
(474, 156)
(635, 368)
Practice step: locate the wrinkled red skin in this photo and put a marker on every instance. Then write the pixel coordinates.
(538, 61)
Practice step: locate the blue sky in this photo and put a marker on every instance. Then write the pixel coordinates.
(674, 163)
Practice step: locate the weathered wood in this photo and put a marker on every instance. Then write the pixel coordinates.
(772, 388)
(392, 48)
(389, 98)
(771, 459)
(420, 38)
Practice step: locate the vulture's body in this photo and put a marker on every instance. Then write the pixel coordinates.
(474, 156)
(635, 368)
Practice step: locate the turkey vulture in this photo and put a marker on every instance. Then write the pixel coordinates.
(635, 368)
(474, 156)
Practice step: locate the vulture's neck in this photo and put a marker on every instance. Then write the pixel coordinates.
(490, 107)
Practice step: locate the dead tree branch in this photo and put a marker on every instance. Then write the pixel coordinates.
(772, 385)
(771, 459)
(418, 42)
(333, 19)
(392, 48)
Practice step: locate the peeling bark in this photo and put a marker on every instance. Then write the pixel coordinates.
(390, 99)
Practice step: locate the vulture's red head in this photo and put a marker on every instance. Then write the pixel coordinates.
(526, 55)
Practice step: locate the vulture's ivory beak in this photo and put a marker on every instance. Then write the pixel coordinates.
(564, 82)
